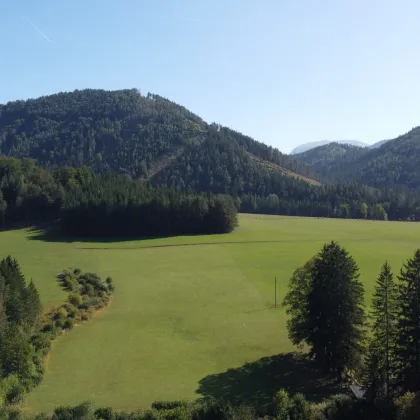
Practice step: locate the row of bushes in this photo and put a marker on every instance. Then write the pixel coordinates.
(87, 294)
(283, 407)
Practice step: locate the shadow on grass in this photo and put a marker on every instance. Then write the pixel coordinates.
(256, 383)
(53, 233)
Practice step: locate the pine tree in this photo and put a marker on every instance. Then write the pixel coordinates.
(385, 318)
(32, 305)
(373, 374)
(408, 351)
(2, 301)
(336, 316)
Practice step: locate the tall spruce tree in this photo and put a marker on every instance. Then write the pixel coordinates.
(408, 351)
(2, 302)
(33, 306)
(332, 320)
(385, 329)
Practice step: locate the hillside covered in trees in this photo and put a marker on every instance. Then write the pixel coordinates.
(126, 132)
(152, 140)
(394, 163)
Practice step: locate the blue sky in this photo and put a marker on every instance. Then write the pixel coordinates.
(283, 72)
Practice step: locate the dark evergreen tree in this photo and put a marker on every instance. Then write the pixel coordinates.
(334, 328)
(297, 303)
(33, 306)
(2, 302)
(408, 351)
(384, 327)
(374, 376)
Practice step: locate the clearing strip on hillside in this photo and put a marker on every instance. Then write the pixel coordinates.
(273, 167)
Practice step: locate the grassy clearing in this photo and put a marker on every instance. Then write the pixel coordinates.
(189, 312)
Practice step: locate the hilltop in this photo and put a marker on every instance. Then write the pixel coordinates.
(309, 146)
(141, 136)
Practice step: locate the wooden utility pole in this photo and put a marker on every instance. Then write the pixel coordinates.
(275, 292)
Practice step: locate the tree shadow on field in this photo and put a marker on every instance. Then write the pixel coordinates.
(53, 233)
(256, 383)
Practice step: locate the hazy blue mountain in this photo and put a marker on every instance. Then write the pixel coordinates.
(308, 146)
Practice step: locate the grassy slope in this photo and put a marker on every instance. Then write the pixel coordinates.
(181, 313)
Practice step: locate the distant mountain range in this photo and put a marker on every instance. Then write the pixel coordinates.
(308, 146)
(386, 164)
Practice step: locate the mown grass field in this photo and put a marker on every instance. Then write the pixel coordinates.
(187, 309)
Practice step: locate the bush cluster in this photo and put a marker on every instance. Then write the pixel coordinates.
(88, 293)
(25, 337)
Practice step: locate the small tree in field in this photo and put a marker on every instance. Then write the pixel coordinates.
(325, 302)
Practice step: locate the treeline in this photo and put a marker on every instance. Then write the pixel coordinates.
(111, 206)
(325, 303)
(26, 333)
(347, 201)
(30, 194)
(282, 407)
(106, 204)
(21, 366)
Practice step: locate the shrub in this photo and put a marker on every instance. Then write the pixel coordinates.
(12, 389)
(61, 313)
(41, 341)
(49, 327)
(105, 413)
(338, 407)
(84, 316)
(408, 406)
(75, 299)
(68, 324)
(281, 403)
(82, 411)
(85, 305)
(77, 271)
(168, 405)
(89, 290)
(300, 409)
(59, 323)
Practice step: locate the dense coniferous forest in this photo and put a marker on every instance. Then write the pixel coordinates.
(109, 206)
(152, 139)
(122, 131)
(30, 195)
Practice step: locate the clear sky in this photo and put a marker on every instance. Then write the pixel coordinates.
(285, 72)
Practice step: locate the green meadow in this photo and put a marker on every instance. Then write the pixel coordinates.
(188, 312)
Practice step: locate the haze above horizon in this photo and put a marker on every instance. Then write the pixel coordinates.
(284, 73)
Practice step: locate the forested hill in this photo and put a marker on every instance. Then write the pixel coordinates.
(332, 161)
(395, 163)
(142, 136)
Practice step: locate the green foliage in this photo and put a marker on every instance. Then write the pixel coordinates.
(408, 406)
(75, 299)
(326, 304)
(281, 405)
(11, 389)
(384, 329)
(297, 303)
(395, 163)
(408, 351)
